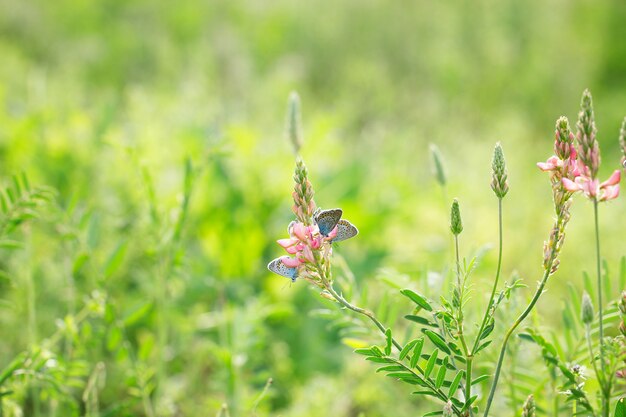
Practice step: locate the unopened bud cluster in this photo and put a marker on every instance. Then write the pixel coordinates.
(528, 410)
(499, 183)
(437, 161)
(294, 130)
(586, 309)
(447, 410)
(456, 225)
(589, 150)
(304, 206)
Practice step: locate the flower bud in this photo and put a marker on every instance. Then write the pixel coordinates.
(499, 183)
(456, 225)
(294, 129)
(587, 309)
(438, 168)
(622, 328)
(589, 151)
(447, 410)
(528, 410)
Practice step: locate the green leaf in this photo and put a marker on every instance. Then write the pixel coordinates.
(365, 351)
(389, 342)
(420, 320)
(376, 359)
(417, 351)
(10, 244)
(430, 365)
(417, 299)
(429, 393)
(479, 379)
(390, 368)
(437, 341)
(620, 408)
(433, 413)
(487, 330)
(407, 348)
(454, 385)
(115, 259)
(482, 346)
(441, 374)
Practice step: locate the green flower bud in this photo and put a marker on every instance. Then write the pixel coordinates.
(499, 183)
(456, 225)
(438, 168)
(528, 410)
(294, 129)
(587, 309)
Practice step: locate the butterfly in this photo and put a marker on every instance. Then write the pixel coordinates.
(278, 267)
(327, 220)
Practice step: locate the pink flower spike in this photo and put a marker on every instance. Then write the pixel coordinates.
(614, 179)
(290, 262)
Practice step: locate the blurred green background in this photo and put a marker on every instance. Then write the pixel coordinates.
(105, 101)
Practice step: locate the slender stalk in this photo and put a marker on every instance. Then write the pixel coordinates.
(508, 334)
(605, 394)
(468, 382)
(592, 356)
(495, 283)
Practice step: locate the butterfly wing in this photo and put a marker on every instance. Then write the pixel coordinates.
(278, 267)
(345, 230)
(327, 220)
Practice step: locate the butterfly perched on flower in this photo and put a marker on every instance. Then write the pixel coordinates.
(277, 266)
(310, 243)
(328, 220)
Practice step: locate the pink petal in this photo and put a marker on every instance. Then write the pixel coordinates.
(613, 179)
(290, 262)
(308, 254)
(570, 185)
(292, 250)
(610, 193)
(300, 231)
(285, 243)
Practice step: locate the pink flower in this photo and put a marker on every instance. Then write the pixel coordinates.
(554, 163)
(302, 243)
(592, 188)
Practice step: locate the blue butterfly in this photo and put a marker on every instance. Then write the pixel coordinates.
(278, 267)
(327, 220)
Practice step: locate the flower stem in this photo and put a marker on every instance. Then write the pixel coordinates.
(605, 394)
(508, 334)
(495, 283)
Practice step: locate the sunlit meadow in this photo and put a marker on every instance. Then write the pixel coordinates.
(170, 243)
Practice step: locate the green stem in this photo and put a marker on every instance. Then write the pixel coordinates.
(468, 382)
(592, 356)
(495, 283)
(508, 334)
(605, 394)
